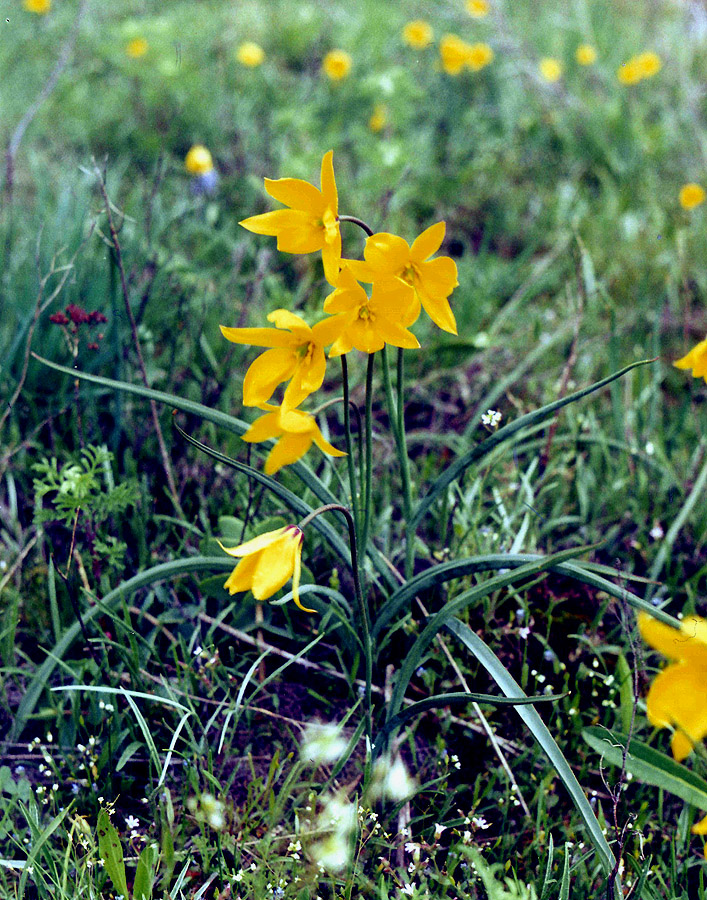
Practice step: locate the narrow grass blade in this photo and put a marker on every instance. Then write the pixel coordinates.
(648, 765)
(458, 568)
(540, 732)
(503, 434)
(565, 883)
(548, 879)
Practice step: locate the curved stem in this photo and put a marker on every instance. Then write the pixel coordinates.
(359, 222)
(360, 600)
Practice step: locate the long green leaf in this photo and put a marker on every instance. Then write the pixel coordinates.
(454, 470)
(540, 732)
(458, 568)
(436, 622)
(143, 579)
(648, 765)
(111, 852)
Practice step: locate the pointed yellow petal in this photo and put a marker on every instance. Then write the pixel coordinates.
(283, 318)
(241, 577)
(256, 337)
(438, 276)
(678, 696)
(687, 643)
(306, 380)
(362, 271)
(331, 258)
(696, 360)
(288, 449)
(274, 567)
(681, 746)
(265, 373)
(439, 310)
(395, 299)
(327, 331)
(325, 446)
(387, 254)
(272, 223)
(328, 182)
(264, 428)
(306, 237)
(296, 575)
(428, 242)
(700, 827)
(256, 544)
(297, 194)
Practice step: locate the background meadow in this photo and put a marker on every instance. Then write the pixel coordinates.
(183, 710)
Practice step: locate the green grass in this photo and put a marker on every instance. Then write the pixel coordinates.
(130, 680)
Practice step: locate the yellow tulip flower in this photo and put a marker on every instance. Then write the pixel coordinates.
(428, 282)
(310, 224)
(295, 432)
(296, 355)
(370, 322)
(267, 563)
(696, 360)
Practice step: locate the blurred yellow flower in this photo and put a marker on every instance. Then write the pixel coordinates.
(645, 65)
(418, 34)
(40, 7)
(198, 160)
(691, 195)
(379, 118)
(370, 322)
(477, 8)
(454, 53)
(136, 48)
(550, 69)
(478, 56)
(585, 54)
(337, 64)
(696, 360)
(294, 430)
(421, 281)
(267, 563)
(296, 355)
(250, 54)
(678, 696)
(311, 223)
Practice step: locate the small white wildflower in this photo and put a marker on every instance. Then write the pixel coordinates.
(438, 830)
(656, 532)
(523, 633)
(131, 822)
(650, 448)
(407, 889)
(491, 419)
(466, 837)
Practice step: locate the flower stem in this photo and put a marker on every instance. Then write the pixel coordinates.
(368, 427)
(362, 609)
(397, 423)
(359, 222)
(353, 483)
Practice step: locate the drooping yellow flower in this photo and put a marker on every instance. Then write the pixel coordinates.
(418, 34)
(550, 69)
(678, 696)
(267, 563)
(310, 224)
(379, 118)
(454, 53)
(337, 64)
(250, 54)
(425, 282)
(645, 65)
(370, 322)
(296, 355)
(585, 54)
(136, 48)
(39, 7)
(198, 160)
(294, 430)
(477, 8)
(696, 360)
(478, 56)
(691, 195)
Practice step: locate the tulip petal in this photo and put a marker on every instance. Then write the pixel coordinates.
(678, 696)
(254, 545)
(325, 446)
(256, 337)
(688, 643)
(271, 223)
(241, 577)
(265, 373)
(696, 360)
(328, 182)
(283, 318)
(274, 566)
(264, 428)
(700, 827)
(296, 575)
(287, 450)
(331, 258)
(428, 242)
(387, 254)
(297, 194)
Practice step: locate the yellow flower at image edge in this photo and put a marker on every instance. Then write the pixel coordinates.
(418, 34)
(250, 54)
(310, 224)
(294, 430)
(136, 48)
(267, 563)
(696, 360)
(691, 195)
(40, 7)
(678, 695)
(198, 160)
(336, 64)
(477, 8)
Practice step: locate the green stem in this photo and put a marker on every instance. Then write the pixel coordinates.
(363, 616)
(368, 427)
(357, 221)
(397, 421)
(353, 483)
